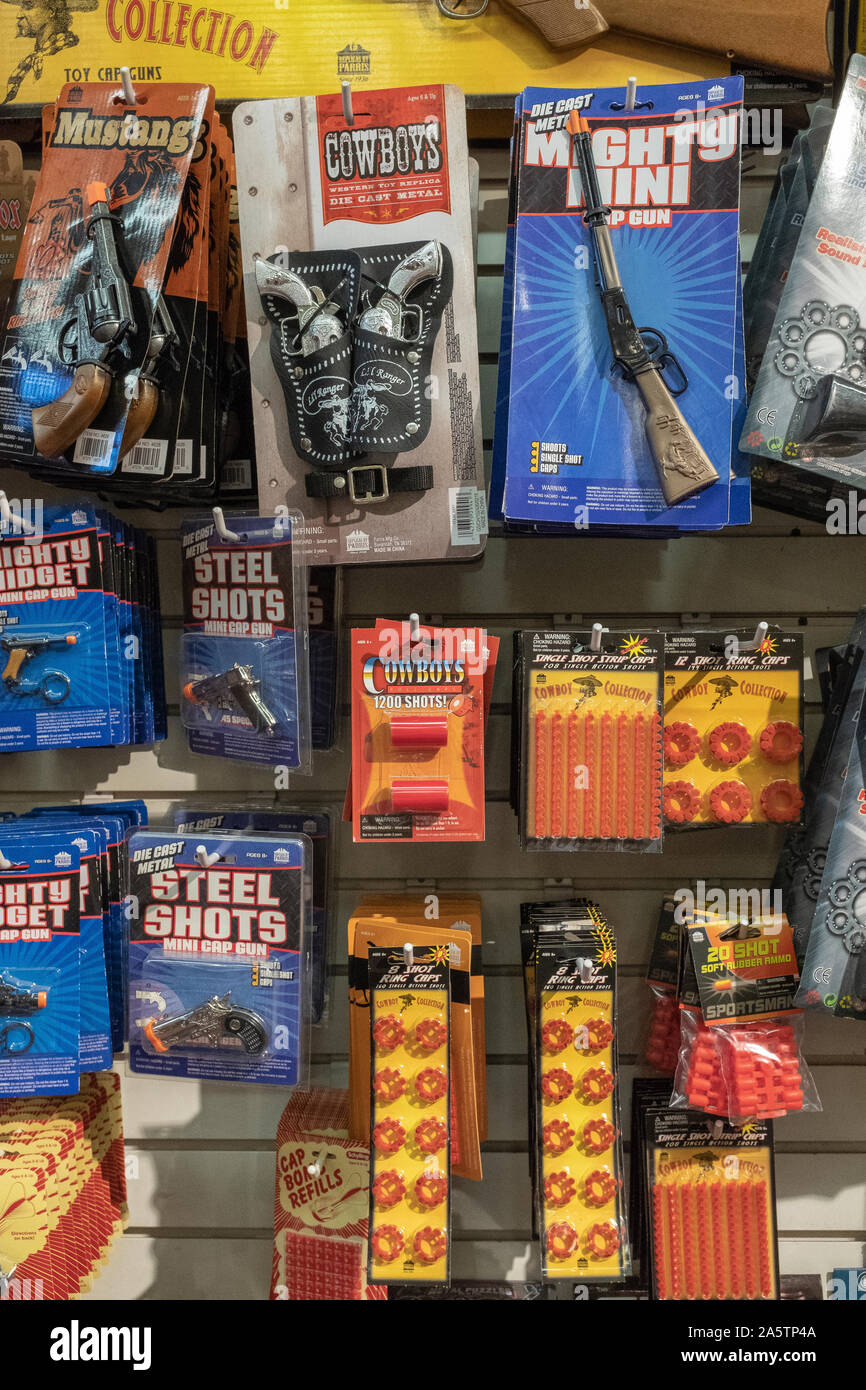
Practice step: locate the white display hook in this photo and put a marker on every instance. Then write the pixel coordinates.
(12, 521)
(5, 864)
(128, 90)
(316, 1169)
(414, 627)
(760, 633)
(630, 93)
(205, 860)
(408, 954)
(222, 530)
(595, 639)
(346, 93)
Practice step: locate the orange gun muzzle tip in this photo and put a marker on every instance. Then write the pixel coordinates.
(41, 999)
(576, 124)
(98, 193)
(154, 1042)
(71, 639)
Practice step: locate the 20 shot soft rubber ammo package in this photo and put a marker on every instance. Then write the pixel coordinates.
(218, 967)
(621, 220)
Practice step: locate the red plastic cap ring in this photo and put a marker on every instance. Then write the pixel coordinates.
(681, 743)
(729, 743)
(782, 801)
(781, 742)
(730, 802)
(681, 801)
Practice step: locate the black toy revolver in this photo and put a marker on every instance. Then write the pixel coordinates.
(93, 340)
(54, 686)
(238, 684)
(160, 363)
(211, 1024)
(19, 1003)
(683, 465)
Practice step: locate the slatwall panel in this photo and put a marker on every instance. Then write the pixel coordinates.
(201, 1155)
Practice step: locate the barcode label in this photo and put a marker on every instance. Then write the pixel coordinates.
(183, 456)
(147, 456)
(464, 515)
(237, 474)
(94, 446)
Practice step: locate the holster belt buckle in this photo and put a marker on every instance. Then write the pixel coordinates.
(376, 476)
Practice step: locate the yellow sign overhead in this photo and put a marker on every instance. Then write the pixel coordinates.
(270, 48)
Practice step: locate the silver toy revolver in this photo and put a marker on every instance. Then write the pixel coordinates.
(209, 1025)
(390, 315)
(318, 323)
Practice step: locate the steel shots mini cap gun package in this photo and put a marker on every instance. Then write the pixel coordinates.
(733, 729)
(623, 218)
(410, 1154)
(245, 658)
(419, 706)
(590, 741)
(218, 972)
(578, 1169)
(359, 279)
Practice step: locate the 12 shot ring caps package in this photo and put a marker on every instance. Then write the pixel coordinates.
(80, 644)
(733, 729)
(569, 958)
(245, 658)
(218, 957)
(587, 770)
(359, 282)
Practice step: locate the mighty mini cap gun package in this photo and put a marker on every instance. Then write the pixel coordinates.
(623, 218)
(218, 968)
(358, 273)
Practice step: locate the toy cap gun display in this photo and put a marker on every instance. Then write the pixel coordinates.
(682, 463)
(391, 313)
(54, 686)
(317, 317)
(238, 684)
(92, 339)
(209, 1025)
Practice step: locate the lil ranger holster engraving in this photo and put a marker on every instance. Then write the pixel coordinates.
(92, 339)
(642, 354)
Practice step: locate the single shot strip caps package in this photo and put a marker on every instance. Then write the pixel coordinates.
(410, 1147)
(741, 1048)
(218, 946)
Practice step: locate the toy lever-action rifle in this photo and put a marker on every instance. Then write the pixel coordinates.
(561, 23)
(92, 340)
(682, 463)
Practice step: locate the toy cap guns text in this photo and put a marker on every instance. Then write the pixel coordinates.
(77, 356)
(607, 422)
(245, 658)
(218, 972)
(366, 410)
(80, 642)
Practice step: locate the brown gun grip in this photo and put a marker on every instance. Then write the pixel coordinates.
(56, 426)
(16, 660)
(561, 23)
(142, 409)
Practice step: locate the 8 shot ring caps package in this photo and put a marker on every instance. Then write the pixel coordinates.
(245, 656)
(218, 977)
(712, 1208)
(591, 741)
(662, 1045)
(579, 1169)
(419, 703)
(410, 1150)
(741, 1053)
(733, 734)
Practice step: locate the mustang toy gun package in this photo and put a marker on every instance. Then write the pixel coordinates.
(84, 327)
(611, 424)
(807, 412)
(40, 962)
(245, 658)
(419, 708)
(733, 729)
(79, 634)
(589, 729)
(359, 285)
(218, 972)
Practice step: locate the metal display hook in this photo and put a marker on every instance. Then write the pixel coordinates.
(346, 94)
(13, 521)
(222, 530)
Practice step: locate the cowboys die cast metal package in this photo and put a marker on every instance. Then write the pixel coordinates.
(624, 328)
(733, 729)
(589, 769)
(807, 411)
(359, 283)
(218, 969)
(246, 692)
(90, 272)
